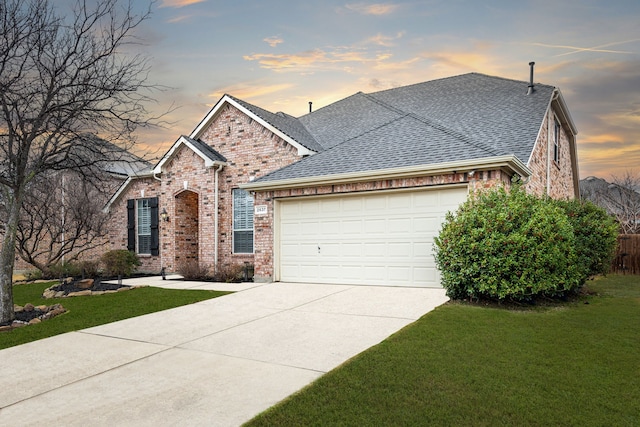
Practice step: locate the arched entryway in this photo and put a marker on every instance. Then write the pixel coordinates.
(186, 229)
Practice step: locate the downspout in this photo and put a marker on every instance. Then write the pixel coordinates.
(215, 220)
(162, 271)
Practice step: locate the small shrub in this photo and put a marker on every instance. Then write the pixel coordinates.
(33, 275)
(229, 273)
(596, 234)
(507, 245)
(89, 268)
(64, 269)
(192, 270)
(120, 263)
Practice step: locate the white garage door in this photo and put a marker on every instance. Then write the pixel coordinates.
(381, 238)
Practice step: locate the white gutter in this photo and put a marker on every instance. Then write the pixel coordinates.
(508, 163)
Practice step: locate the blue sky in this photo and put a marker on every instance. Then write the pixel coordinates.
(282, 54)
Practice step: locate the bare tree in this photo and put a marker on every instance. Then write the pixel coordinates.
(624, 201)
(61, 219)
(63, 76)
(620, 198)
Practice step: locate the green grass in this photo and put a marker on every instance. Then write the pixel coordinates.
(87, 311)
(572, 365)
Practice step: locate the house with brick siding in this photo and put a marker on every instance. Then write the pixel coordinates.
(351, 193)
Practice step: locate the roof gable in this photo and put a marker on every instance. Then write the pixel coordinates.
(284, 126)
(210, 156)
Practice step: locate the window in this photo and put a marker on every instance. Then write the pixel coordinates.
(556, 140)
(144, 227)
(242, 222)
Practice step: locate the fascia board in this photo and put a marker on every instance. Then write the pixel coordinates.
(302, 150)
(564, 112)
(182, 140)
(508, 163)
(540, 129)
(122, 189)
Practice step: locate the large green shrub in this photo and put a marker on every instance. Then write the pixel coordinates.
(596, 234)
(507, 245)
(120, 263)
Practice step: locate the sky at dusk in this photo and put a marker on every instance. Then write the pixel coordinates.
(280, 55)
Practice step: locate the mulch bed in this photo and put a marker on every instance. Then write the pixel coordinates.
(98, 285)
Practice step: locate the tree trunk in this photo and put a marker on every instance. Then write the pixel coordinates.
(7, 259)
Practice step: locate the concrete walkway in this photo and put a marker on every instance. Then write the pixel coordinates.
(218, 362)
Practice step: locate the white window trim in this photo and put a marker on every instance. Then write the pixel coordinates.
(556, 138)
(137, 210)
(233, 229)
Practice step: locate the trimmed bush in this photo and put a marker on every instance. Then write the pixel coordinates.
(596, 234)
(120, 263)
(507, 245)
(64, 269)
(191, 270)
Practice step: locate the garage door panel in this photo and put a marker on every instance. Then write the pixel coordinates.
(400, 250)
(352, 250)
(399, 225)
(381, 238)
(375, 225)
(374, 249)
(426, 224)
(351, 226)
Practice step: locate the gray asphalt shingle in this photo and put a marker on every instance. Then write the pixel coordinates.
(287, 124)
(465, 117)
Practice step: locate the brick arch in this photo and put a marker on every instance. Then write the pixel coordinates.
(186, 228)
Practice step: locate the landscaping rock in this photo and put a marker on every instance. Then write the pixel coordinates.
(17, 308)
(29, 307)
(33, 317)
(79, 293)
(85, 283)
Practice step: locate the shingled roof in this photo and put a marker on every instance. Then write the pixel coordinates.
(466, 117)
(286, 123)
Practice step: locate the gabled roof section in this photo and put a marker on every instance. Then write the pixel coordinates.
(210, 156)
(286, 127)
(142, 174)
(404, 142)
(447, 121)
(286, 123)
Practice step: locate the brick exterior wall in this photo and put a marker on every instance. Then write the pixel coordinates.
(560, 173)
(138, 189)
(264, 225)
(187, 192)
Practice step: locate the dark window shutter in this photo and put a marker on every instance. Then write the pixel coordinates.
(131, 225)
(155, 235)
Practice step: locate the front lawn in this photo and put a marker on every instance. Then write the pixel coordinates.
(87, 311)
(576, 364)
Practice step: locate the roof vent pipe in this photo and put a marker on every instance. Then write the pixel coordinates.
(530, 90)
(310, 104)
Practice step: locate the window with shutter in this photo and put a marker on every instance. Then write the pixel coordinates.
(144, 227)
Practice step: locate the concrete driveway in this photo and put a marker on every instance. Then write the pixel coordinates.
(216, 363)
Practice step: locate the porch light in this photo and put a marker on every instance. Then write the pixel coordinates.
(164, 215)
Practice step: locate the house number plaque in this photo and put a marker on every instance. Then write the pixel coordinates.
(261, 209)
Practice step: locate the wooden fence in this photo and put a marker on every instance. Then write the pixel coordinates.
(627, 260)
